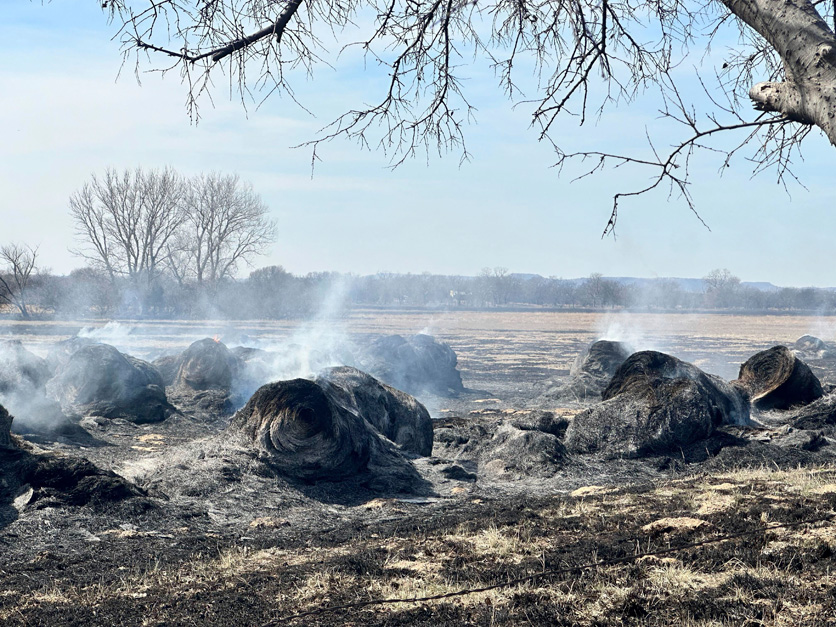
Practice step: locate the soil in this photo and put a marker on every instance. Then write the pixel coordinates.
(213, 536)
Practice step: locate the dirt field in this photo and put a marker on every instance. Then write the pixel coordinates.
(615, 544)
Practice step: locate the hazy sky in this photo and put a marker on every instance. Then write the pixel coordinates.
(65, 116)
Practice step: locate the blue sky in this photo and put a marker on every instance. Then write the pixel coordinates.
(66, 115)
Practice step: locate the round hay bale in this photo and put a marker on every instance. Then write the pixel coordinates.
(395, 414)
(303, 431)
(600, 359)
(655, 403)
(591, 372)
(207, 365)
(777, 379)
(416, 364)
(99, 380)
(811, 347)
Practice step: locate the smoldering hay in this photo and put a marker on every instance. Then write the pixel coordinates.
(591, 372)
(395, 414)
(656, 403)
(318, 431)
(99, 380)
(777, 379)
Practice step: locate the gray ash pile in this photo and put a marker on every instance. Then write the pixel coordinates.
(656, 403)
(318, 431)
(777, 379)
(415, 364)
(591, 372)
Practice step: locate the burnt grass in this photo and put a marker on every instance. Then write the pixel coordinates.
(149, 558)
(187, 577)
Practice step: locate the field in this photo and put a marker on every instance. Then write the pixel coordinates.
(616, 543)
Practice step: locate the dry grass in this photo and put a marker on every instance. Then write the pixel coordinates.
(749, 580)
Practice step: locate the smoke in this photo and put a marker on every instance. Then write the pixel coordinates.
(22, 378)
(630, 329)
(114, 333)
(318, 343)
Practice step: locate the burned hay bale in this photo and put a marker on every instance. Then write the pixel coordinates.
(820, 414)
(168, 366)
(99, 380)
(205, 380)
(523, 445)
(811, 347)
(416, 364)
(5, 428)
(777, 379)
(206, 365)
(60, 352)
(591, 372)
(395, 414)
(303, 431)
(527, 452)
(655, 403)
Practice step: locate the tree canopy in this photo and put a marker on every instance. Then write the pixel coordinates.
(586, 58)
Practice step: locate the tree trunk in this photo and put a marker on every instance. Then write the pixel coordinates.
(807, 47)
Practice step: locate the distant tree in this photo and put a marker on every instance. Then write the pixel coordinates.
(498, 285)
(16, 276)
(721, 288)
(126, 221)
(225, 223)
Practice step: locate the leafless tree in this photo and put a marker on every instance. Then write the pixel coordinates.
(226, 223)
(126, 221)
(16, 278)
(586, 57)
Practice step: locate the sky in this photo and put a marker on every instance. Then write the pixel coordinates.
(69, 110)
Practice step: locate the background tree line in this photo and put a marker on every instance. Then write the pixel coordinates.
(272, 293)
(158, 244)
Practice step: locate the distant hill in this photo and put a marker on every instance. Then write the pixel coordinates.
(686, 285)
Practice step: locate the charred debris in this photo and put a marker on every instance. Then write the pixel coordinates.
(344, 435)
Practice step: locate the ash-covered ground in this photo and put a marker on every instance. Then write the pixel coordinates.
(126, 498)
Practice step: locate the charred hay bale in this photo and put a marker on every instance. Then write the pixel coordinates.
(99, 380)
(777, 379)
(168, 366)
(5, 428)
(524, 445)
(591, 372)
(655, 403)
(60, 352)
(811, 347)
(820, 414)
(524, 452)
(600, 359)
(416, 364)
(395, 414)
(302, 430)
(206, 365)
(20, 369)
